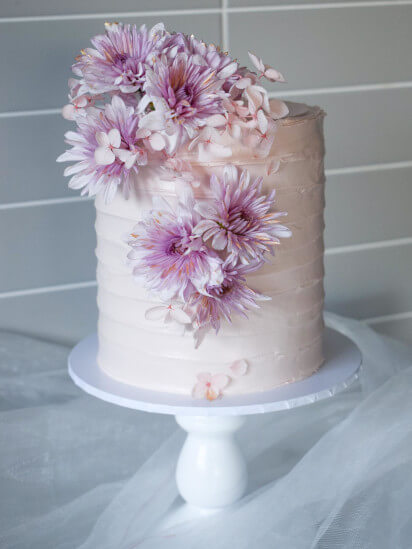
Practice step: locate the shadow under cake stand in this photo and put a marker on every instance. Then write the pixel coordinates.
(211, 471)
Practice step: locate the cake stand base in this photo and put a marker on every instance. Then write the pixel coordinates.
(211, 471)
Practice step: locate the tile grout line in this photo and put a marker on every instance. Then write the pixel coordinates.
(369, 246)
(110, 15)
(368, 168)
(48, 289)
(343, 89)
(285, 94)
(208, 11)
(225, 26)
(320, 6)
(45, 202)
(33, 112)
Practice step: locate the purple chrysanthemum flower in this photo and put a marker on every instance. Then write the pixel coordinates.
(120, 58)
(107, 149)
(219, 62)
(184, 94)
(239, 218)
(165, 253)
(230, 296)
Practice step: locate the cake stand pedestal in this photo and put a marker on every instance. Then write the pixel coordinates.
(211, 471)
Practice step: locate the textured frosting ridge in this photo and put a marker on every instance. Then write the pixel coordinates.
(282, 340)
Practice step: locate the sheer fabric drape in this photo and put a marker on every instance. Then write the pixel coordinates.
(76, 472)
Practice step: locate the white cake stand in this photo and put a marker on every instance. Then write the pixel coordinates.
(211, 470)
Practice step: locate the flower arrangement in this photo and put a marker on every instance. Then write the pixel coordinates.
(141, 97)
(139, 93)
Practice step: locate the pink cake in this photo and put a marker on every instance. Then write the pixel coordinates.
(205, 285)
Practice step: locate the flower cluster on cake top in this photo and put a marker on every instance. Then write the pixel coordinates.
(144, 94)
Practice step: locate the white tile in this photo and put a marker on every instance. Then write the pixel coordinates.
(28, 8)
(63, 317)
(369, 283)
(366, 127)
(328, 47)
(30, 146)
(47, 245)
(45, 51)
(275, 3)
(368, 207)
(398, 329)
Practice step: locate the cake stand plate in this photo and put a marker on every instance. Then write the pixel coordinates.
(211, 471)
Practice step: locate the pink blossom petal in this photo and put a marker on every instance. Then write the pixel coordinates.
(199, 390)
(239, 368)
(157, 141)
(273, 75)
(102, 139)
(257, 61)
(156, 313)
(220, 381)
(262, 121)
(104, 156)
(216, 120)
(127, 157)
(114, 137)
(180, 316)
(142, 133)
(153, 121)
(204, 377)
(278, 108)
(243, 83)
(69, 112)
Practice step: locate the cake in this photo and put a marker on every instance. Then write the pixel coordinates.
(209, 241)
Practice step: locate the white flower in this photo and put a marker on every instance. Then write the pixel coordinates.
(210, 386)
(239, 368)
(265, 70)
(168, 313)
(75, 107)
(209, 144)
(105, 154)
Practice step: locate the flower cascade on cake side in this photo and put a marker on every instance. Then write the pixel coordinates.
(195, 257)
(141, 97)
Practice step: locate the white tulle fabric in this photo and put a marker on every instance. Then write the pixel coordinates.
(76, 472)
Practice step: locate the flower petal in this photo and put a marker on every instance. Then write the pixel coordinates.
(180, 316)
(69, 112)
(262, 121)
(273, 75)
(157, 141)
(220, 381)
(239, 368)
(156, 313)
(219, 241)
(257, 61)
(114, 137)
(104, 156)
(199, 390)
(102, 139)
(204, 377)
(278, 109)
